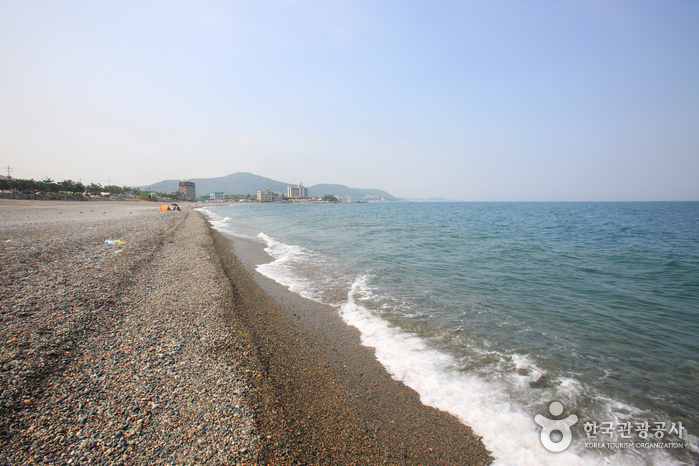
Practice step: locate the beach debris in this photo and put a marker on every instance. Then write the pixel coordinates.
(8, 240)
(114, 241)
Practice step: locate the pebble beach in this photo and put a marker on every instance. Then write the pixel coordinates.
(168, 348)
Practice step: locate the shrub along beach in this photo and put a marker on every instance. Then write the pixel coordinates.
(165, 347)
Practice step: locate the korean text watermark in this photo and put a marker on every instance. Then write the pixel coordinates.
(556, 434)
(604, 434)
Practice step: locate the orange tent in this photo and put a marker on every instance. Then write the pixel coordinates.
(165, 207)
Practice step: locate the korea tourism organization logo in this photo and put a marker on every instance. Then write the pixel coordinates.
(556, 434)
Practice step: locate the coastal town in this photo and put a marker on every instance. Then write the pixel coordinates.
(15, 188)
(294, 194)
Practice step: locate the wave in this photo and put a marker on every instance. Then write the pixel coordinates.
(487, 406)
(283, 269)
(497, 401)
(222, 223)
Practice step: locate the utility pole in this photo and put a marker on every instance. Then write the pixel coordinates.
(8, 171)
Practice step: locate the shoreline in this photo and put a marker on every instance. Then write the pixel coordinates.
(325, 397)
(169, 349)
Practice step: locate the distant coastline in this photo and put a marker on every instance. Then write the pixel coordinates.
(249, 184)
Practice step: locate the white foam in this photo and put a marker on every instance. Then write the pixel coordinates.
(487, 407)
(491, 401)
(282, 269)
(222, 223)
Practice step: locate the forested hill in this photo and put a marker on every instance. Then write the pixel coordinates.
(249, 183)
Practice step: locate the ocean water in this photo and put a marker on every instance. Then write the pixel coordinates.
(491, 311)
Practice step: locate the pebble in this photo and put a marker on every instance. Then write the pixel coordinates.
(115, 358)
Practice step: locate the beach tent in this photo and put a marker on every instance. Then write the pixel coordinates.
(165, 207)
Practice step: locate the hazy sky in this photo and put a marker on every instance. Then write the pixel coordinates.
(475, 100)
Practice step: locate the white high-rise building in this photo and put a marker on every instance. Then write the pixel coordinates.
(297, 192)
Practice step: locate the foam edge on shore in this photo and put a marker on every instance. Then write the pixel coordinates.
(320, 396)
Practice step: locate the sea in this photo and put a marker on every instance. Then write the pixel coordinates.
(495, 311)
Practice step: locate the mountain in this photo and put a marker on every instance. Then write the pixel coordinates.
(354, 194)
(236, 183)
(249, 183)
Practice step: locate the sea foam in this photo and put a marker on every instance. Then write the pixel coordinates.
(494, 405)
(507, 428)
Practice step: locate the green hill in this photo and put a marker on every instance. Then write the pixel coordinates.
(249, 183)
(236, 183)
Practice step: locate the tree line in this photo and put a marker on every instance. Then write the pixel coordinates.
(66, 186)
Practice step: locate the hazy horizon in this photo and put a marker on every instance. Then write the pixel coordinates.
(480, 101)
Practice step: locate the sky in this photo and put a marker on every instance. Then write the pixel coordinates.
(497, 100)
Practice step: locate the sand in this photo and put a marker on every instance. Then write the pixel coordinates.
(169, 349)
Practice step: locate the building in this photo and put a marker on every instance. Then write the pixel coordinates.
(188, 191)
(144, 195)
(265, 196)
(217, 196)
(297, 192)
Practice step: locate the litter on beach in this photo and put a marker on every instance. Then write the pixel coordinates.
(114, 241)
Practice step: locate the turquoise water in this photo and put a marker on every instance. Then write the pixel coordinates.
(501, 308)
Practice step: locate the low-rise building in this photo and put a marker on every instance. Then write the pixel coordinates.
(217, 196)
(144, 195)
